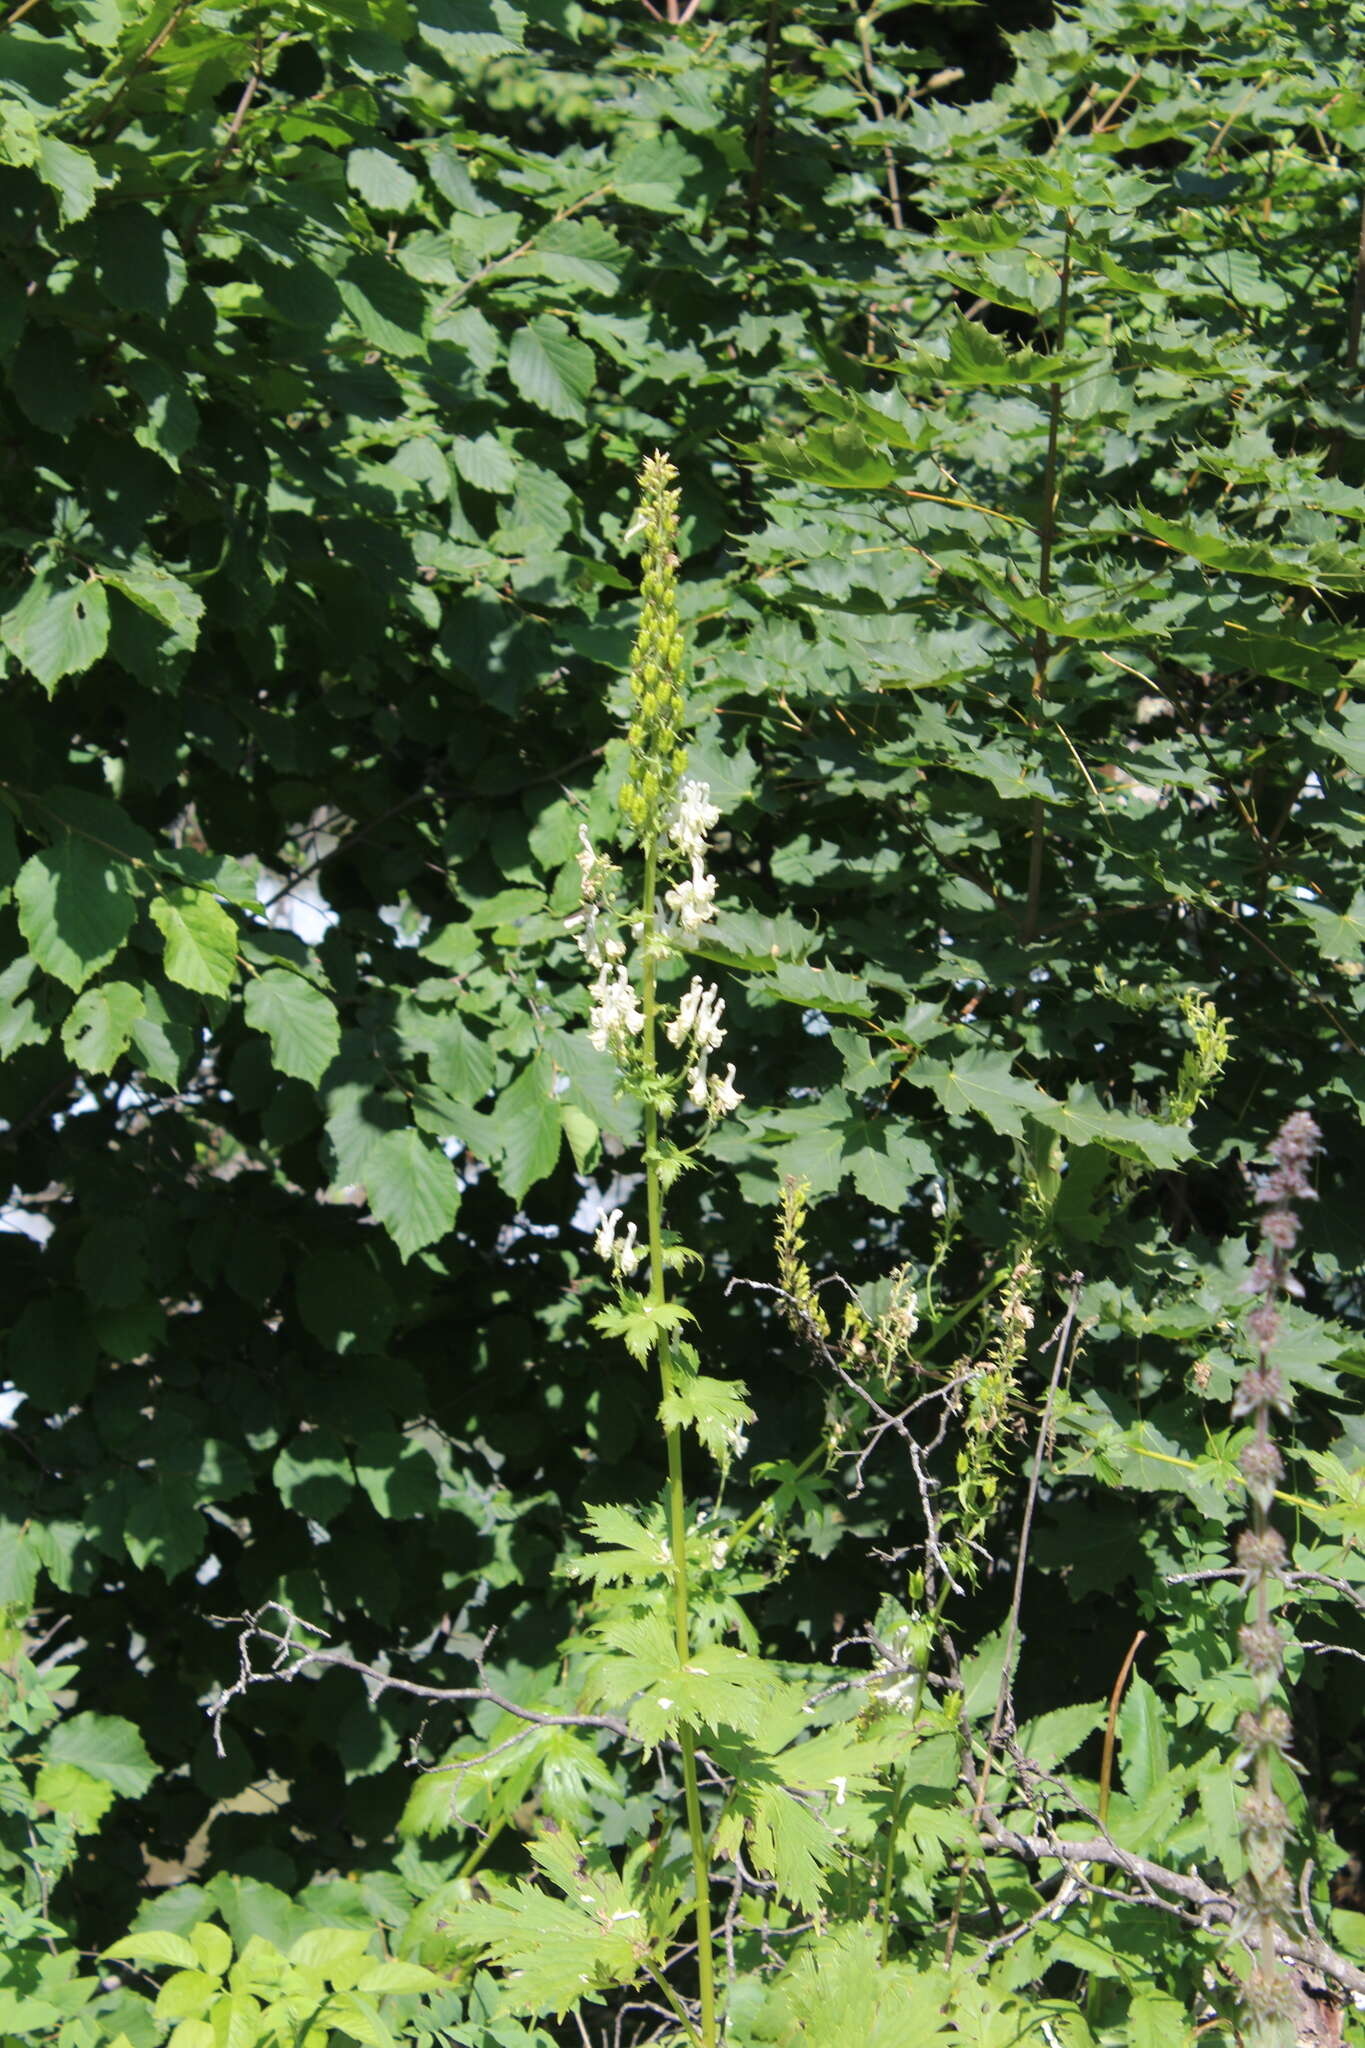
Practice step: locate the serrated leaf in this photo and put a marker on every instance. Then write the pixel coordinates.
(69, 173)
(163, 596)
(76, 907)
(1143, 1747)
(582, 1134)
(465, 31)
(100, 1027)
(386, 306)
(485, 463)
(329, 1948)
(153, 1946)
(299, 1020)
(106, 1746)
(652, 174)
(381, 181)
(1084, 1119)
(718, 1687)
(981, 1083)
(236, 2020)
(57, 631)
(186, 1995)
(550, 368)
(1156, 2020)
(70, 1791)
(715, 1409)
(641, 1327)
(201, 940)
(626, 1550)
(528, 1125)
(1337, 934)
(967, 356)
(412, 1189)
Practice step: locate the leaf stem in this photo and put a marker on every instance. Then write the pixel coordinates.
(677, 1497)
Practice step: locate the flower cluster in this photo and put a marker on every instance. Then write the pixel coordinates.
(1266, 1893)
(697, 1029)
(693, 901)
(622, 1253)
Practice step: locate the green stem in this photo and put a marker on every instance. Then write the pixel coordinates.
(677, 1497)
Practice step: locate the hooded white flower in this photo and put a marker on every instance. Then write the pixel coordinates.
(695, 816)
(694, 900)
(616, 1015)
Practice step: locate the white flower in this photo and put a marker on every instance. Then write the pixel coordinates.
(696, 1086)
(723, 1096)
(938, 1207)
(605, 1240)
(628, 1256)
(699, 1014)
(615, 1015)
(694, 900)
(696, 815)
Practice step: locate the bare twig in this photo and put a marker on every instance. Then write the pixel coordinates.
(1213, 1907)
(293, 1654)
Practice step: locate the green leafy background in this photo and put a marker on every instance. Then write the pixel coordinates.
(331, 335)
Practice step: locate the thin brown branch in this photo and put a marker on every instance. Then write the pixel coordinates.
(294, 1654)
(1214, 1907)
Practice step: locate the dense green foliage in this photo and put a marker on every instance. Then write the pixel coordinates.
(1019, 432)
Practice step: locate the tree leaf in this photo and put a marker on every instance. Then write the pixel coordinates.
(100, 1027)
(201, 940)
(384, 184)
(55, 632)
(106, 1746)
(549, 368)
(528, 1126)
(981, 1082)
(299, 1020)
(412, 1189)
(76, 907)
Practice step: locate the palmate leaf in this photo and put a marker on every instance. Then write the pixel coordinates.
(718, 1687)
(838, 1991)
(640, 1323)
(1084, 1119)
(559, 1951)
(982, 1082)
(715, 1409)
(626, 1551)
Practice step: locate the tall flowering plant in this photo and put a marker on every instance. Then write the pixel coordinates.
(626, 943)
